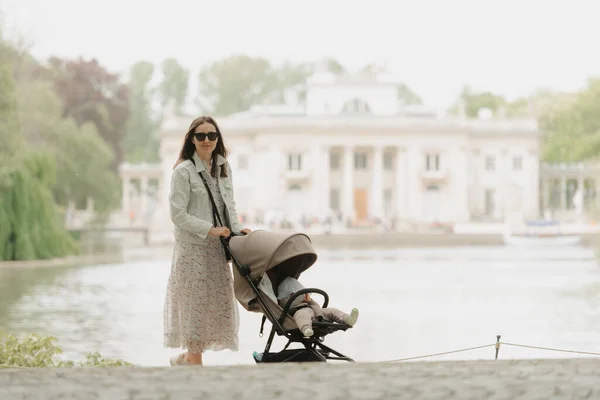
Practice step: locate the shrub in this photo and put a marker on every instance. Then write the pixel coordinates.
(35, 351)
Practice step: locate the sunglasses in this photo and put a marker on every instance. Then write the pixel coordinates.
(212, 136)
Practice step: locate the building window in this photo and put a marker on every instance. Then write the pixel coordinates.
(242, 162)
(294, 161)
(356, 107)
(334, 199)
(490, 163)
(334, 161)
(490, 204)
(388, 161)
(432, 162)
(517, 163)
(360, 160)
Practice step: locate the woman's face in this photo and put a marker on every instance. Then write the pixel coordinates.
(205, 139)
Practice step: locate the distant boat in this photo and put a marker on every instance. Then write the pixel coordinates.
(540, 234)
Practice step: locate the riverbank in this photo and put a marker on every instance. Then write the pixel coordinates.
(111, 257)
(355, 241)
(521, 379)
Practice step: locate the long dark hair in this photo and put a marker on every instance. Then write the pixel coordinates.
(188, 149)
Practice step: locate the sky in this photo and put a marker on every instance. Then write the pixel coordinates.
(511, 47)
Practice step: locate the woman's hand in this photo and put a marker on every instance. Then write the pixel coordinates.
(219, 231)
(246, 231)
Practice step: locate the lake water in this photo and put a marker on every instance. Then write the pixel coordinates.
(412, 302)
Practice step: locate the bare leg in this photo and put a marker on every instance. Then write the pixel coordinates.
(194, 358)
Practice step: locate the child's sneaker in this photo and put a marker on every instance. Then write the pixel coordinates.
(308, 332)
(179, 360)
(353, 317)
(257, 356)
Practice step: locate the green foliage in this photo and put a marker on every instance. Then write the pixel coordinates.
(84, 167)
(31, 228)
(9, 124)
(82, 158)
(174, 86)
(572, 129)
(238, 82)
(407, 96)
(141, 142)
(333, 66)
(90, 93)
(35, 351)
(472, 102)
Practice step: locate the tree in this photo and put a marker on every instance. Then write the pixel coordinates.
(89, 93)
(141, 143)
(174, 86)
(572, 127)
(331, 65)
(407, 96)
(538, 104)
(472, 102)
(238, 82)
(82, 159)
(29, 223)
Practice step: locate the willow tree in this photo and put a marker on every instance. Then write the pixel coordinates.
(29, 224)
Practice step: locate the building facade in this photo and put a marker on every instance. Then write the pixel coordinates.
(352, 150)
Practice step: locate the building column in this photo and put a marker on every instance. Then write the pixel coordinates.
(320, 187)
(89, 204)
(376, 203)
(401, 192)
(532, 207)
(563, 194)
(143, 195)
(414, 185)
(476, 196)
(126, 189)
(581, 190)
(459, 187)
(348, 184)
(544, 195)
(326, 184)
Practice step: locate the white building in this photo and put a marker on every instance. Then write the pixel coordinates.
(351, 148)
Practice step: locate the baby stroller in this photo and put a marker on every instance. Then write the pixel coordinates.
(263, 259)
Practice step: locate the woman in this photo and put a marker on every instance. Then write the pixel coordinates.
(200, 308)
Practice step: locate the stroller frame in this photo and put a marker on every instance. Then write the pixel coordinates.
(314, 350)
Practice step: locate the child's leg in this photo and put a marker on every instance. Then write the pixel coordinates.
(304, 318)
(335, 315)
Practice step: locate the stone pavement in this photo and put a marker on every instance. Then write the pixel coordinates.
(526, 379)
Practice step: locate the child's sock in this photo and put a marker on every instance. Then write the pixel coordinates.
(353, 317)
(307, 332)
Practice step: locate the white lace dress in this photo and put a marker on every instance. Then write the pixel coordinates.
(200, 311)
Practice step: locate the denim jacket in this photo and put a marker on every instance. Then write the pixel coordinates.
(189, 203)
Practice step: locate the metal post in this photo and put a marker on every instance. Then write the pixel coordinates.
(497, 345)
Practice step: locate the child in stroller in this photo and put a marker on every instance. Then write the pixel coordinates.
(305, 311)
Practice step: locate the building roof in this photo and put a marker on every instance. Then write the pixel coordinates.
(256, 124)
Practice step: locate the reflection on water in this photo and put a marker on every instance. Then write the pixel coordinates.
(412, 302)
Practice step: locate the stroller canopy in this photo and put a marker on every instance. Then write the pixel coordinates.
(279, 255)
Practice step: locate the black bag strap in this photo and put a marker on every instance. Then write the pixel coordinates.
(216, 215)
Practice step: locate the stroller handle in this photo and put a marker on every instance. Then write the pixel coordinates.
(244, 270)
(301, 292)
